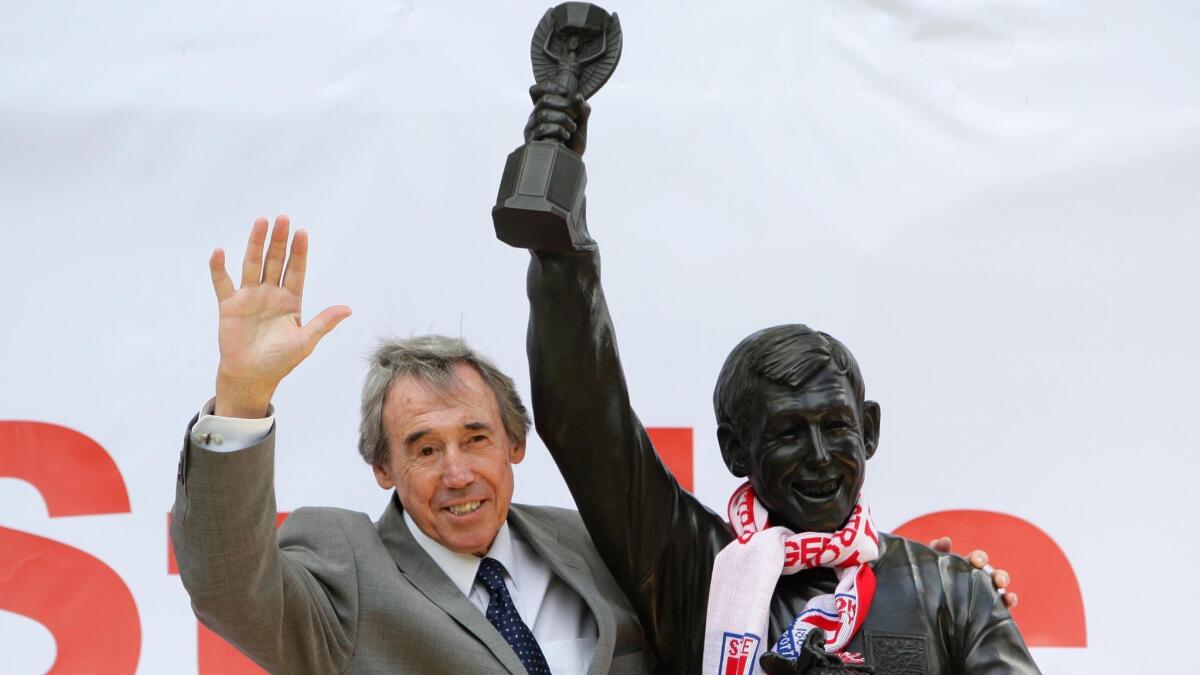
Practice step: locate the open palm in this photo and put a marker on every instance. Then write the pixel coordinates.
(261, 334)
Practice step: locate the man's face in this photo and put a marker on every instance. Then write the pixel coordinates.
(807, 451)
(450, 459)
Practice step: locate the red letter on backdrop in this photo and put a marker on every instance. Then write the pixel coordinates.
(1050, 613)
(674, 446)
(80, 600)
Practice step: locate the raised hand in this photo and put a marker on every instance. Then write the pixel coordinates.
(261, 335)
(558, 113)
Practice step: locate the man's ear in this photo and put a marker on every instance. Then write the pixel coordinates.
(733, 451)
(383, 478)
(518, 452)
(870, 427)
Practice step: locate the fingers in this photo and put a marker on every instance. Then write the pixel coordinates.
(1000, 579)
(979, 560)
(548, 87)
(774, 664)
(555, 102)
(583, 109)
(941, 544)
(546, 116)
(276, 252)
(320, 325)
(293, 277)
(542, 131)
(221, 282)
(252, 262)
(558, 114)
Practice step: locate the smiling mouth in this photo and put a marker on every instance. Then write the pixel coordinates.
(464, 508)
(818, 489)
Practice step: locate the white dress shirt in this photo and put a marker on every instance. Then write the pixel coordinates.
(562, 622)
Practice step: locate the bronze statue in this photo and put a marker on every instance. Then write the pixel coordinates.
(793, 419)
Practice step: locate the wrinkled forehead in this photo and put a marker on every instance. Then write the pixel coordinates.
(461, 393)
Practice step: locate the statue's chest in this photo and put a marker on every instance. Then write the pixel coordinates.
(894, 640)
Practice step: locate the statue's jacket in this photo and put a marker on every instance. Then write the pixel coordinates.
(932, 613)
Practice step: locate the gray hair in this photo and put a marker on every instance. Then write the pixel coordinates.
(430, 359)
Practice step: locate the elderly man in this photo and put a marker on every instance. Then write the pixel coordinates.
(798, 568)
(451, 579)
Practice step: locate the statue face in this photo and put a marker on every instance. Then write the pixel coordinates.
(807, 449)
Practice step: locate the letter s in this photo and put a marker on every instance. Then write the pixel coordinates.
(80, 600)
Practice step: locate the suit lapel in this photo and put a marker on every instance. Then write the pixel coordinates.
(571, 568)
(432, 582)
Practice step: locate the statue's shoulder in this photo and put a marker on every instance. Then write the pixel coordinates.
(898, 551)
(943, 579)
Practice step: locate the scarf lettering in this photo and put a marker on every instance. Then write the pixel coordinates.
(745, 573)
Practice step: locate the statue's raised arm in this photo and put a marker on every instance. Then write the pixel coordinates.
(636, 513)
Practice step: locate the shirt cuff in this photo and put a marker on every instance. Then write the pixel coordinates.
(229, 434)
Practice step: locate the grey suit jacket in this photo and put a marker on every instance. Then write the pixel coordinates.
(333, 592)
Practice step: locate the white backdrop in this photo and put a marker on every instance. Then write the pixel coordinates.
(991, 203)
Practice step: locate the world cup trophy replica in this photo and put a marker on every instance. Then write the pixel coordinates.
(540, 202)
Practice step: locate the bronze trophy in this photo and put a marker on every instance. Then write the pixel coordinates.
(540, 203)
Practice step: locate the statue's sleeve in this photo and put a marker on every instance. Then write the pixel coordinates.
(656, 538)
(991, 641)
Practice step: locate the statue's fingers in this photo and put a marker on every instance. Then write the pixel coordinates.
(583, 108)
(1010, 599)
(941, 544)
(556, 117)
(551, 131)
(555, 102)
(252, 261)
(578, 143)
(548, 87)
(774, 664)
(276, 251)
(221, 282)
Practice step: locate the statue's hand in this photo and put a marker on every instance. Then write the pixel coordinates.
(558, 114)
(979, 560)
(812, 660)
(774, 664)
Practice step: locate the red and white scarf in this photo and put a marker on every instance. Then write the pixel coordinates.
(746, 571)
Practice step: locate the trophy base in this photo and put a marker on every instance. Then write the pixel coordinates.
(540, 202)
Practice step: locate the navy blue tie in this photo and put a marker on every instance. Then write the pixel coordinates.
(503, 615)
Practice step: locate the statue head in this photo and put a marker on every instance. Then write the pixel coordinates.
(793, 417)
